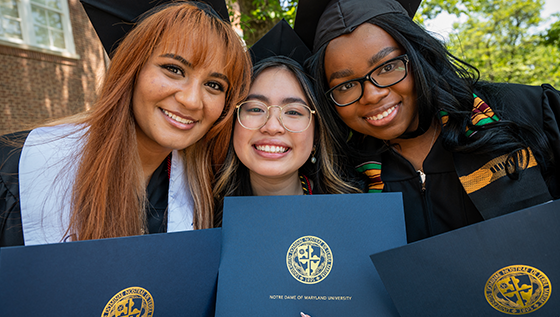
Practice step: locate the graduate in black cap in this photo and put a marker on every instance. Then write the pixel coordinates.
(280, 145)
(142, 160)
(415, 119)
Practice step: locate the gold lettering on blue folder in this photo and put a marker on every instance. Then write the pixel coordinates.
(130, 302)
(518, 289)
(309, 260)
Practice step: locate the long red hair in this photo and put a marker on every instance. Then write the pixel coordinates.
(108, 197)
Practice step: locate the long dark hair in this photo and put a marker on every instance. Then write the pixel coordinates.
(443, 82)
(233, 179)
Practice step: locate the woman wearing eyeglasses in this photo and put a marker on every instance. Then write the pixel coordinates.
(415, 119)
(273, 135)
(279, 144)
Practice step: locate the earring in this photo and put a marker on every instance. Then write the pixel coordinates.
(313, 159)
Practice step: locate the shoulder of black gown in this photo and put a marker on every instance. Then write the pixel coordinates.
(11, 233)
(550, 99)
(537, 106)
(520, 103)
(534, 107)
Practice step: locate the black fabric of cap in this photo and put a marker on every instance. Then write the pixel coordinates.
(319, 21)
(112, 20)
(281, 40)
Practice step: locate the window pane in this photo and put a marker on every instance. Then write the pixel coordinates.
(8, 3)
(55, 20)
(9, 8)
(10, 28)
(42, 35)
(47, 21)
(39, 15)
(55, 4)
(58, 39)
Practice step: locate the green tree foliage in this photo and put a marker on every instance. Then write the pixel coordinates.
(256, 17)
(552, 36)
(498, 38)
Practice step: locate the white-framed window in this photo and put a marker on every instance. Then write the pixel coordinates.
(41, 24)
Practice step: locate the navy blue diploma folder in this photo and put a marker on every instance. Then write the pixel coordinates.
(170, 274)
(509, 265)
(285, 254)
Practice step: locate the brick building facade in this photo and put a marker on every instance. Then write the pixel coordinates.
(38, 83)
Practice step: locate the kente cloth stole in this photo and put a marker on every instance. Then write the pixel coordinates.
(372, 170)
(495, 169)
(305, 185)
(481, 114)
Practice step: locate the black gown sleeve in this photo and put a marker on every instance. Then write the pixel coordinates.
(538, 107)
(551, 119)
(11, 233)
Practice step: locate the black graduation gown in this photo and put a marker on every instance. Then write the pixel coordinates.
(10, 214)
(443, 204)
(437, 206)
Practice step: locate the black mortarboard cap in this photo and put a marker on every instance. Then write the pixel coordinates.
(319, 21)
(281, 40)
(112, 20)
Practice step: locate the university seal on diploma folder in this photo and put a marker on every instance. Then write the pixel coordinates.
(518, 289)
(309, 260)
(130, 302)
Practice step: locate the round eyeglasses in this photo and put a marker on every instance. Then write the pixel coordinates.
(294, 117)
(387, 74)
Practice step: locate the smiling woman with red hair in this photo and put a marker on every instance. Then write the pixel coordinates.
(143, 160)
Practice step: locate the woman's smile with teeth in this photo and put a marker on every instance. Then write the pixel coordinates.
(271, 148)
(382, 115)
(176, 118)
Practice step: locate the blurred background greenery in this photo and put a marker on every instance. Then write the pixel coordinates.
(507, 40)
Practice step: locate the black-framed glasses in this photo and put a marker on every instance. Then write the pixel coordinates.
(387, 74)
(294, 117)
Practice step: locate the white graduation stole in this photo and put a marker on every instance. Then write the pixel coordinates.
(47, 169)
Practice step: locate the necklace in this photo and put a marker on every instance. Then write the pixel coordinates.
(421, 170)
